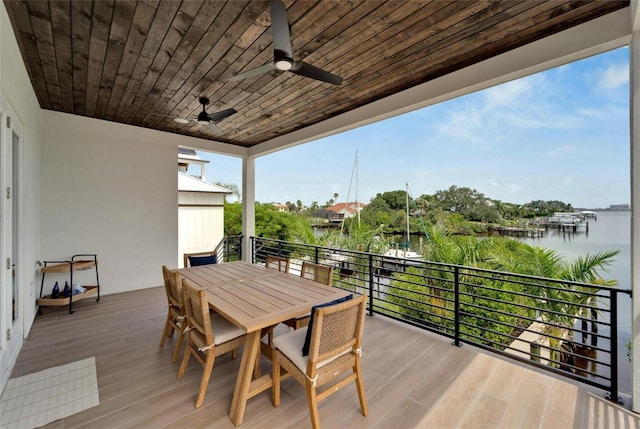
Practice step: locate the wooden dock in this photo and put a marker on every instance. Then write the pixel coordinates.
(564, 226)
(520, 232)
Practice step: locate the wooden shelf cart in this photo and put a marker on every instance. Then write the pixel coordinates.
(87, 262)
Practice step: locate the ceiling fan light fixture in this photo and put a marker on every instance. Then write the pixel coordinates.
(181, 120)
(284, 64)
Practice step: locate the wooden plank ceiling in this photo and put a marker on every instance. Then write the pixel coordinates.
(123, 60)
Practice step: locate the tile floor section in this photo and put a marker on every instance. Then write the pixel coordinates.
(45, 396)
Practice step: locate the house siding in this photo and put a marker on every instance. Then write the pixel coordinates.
(200, 220)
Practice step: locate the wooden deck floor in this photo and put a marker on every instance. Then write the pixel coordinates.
(413, 379)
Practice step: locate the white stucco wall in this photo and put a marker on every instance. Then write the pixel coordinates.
(109, 189)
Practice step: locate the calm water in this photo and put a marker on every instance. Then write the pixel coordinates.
(611, 231)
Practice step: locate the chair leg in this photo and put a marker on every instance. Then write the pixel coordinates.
(206, 374)
(312, 399)
(360, 387)
(176, 351)
(185, 360)
(256, 367)
(275, 377)
(166, 332)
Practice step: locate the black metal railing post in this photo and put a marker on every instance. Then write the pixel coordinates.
(317, 253)
(370, 285)
(253, 249)
(613, 392)
(456, 315)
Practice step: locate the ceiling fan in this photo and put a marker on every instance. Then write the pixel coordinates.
(204, 118)
(282, 56)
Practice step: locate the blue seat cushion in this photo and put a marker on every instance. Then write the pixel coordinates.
(307, 339)
(194, 261)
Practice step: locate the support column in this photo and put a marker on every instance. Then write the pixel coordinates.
(634, 105)
(248, 205)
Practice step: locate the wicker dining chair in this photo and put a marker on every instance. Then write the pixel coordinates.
(202, 342)
(200, 258)
(176, 314)
(278, 263)
(333, 338)
(316, 272)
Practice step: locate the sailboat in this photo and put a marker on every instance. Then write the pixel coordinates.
(405, 252)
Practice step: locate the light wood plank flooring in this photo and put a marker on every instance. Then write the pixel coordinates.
(413, 379)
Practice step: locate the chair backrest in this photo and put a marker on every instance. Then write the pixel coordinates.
(173, 287)
(337, 329)
(197, 310)
(200, 258)
(316, 272)
(277, 263)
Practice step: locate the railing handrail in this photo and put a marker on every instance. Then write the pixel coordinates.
(464, 294)
(444, 264)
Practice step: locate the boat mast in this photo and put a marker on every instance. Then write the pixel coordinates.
(354, 173)
(408, 237)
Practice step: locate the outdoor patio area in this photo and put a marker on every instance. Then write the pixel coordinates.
(412, 379)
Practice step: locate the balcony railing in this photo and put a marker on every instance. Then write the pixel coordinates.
(564, 327)
(230, 248)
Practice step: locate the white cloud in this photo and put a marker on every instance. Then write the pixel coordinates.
(512, 93)
(562, 151)
(614, 76)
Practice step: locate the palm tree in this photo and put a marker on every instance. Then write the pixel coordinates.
(235, 192)
(560, 304)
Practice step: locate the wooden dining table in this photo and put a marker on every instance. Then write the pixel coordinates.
(256, 299)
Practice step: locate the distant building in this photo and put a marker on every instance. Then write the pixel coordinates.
(200, 208)
(188, 157)
(282, 208)
(347, 210)
(619, 207)
(329, 216)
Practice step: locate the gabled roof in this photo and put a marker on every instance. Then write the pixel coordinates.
(351, 207)
(188, 183)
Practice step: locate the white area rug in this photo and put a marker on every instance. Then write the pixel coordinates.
(46, 396)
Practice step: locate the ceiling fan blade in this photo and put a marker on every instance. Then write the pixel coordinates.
(254, 72)
(218, 116)
(179, 119)
(214, 128)
(304, 69)
(280, 30)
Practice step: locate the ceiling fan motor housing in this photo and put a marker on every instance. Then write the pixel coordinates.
(203, 118)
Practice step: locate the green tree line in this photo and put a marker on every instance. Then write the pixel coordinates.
(460, 210)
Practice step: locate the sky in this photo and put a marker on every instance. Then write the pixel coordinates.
(562, 134)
